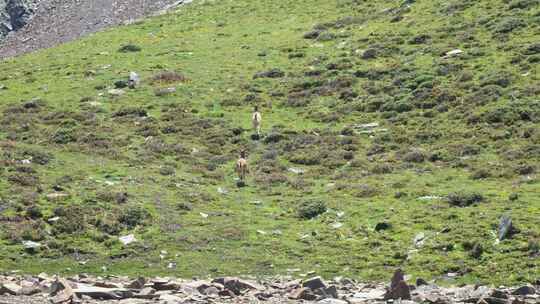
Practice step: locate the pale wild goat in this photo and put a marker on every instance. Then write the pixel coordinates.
(242, 166)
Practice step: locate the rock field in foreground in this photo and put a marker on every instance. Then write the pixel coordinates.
(89, 289)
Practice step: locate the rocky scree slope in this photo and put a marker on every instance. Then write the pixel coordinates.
(15, 14)
(29, 25)
(88, 289)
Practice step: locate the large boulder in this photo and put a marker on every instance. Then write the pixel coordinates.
(15, 14)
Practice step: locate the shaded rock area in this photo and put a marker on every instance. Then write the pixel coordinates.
(88, 289)
(29, 25)
(15, 14)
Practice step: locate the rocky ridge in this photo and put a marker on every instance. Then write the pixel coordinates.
(111, 289)
(15, 14)
(29, 25)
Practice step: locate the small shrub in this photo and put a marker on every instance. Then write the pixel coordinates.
(508, 25)
(464, 199)
(184, 207)
(326, 36)
(34, 212)
(166, 170)
(128, 48)
(120, 84)
(513, 197)
(25, 180)
(480, 174)
(168, 77)
(415, 156)
(525, 169)
(131, 111)
(38, 157)
(273, 73)
(133, 216)
(307, 157)
(522, 4)
(72, 219)
(64, 136)
(533, 246)
(311, 209)
(312, 34)
(365, 190)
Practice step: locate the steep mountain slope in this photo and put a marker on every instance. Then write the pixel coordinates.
(396, 134)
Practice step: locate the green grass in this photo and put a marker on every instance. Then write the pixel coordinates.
(424, 101)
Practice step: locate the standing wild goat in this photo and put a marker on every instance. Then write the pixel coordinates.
(242, 166)
(256, 119)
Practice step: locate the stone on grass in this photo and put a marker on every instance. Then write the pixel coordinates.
(127, 239)
(314, 283)
(524, 290)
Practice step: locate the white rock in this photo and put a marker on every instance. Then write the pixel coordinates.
(53, 219)
(127, 239)
(116, 92)
(337, 225)
(297, 170)
(454, 53)
(31, 244)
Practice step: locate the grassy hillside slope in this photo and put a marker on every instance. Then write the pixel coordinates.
(457, 146)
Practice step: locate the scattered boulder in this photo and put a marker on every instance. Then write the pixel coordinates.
(236, 285)
(369, 54)
(133, 80)
(116, 92)
(164, 91)
(120, 84)
(506, 228)
(421, 282)
(87, 289)
(524, 290)
(303, 294)
(453, 53)
(10, 289)
(128, 239)
(101, 293)
(332, 301)
(314, 34)
(382, 226)
(464, 199)
(137, 284)
(314, 283)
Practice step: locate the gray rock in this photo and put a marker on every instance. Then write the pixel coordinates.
(303, 294)
(236, 285)
(15, 14)
(116, 92)
(332, 301)
(524, 290)
(101, 293)
(164, 91)
(133, 80)
(137, 284)
(127, 239)
(146, 293)
(10, 289)
(505, 227)
(31, 245)
(314, 283)
(373, 294)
